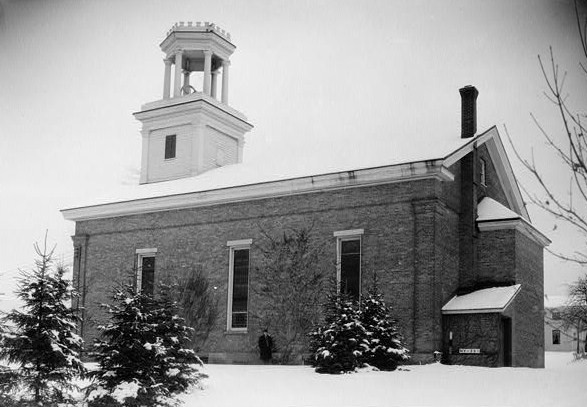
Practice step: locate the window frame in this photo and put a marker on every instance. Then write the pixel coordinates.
(174, 144)
(556, 336)
(345, 236)
(233, 245)
(140, 255)
(483, 172)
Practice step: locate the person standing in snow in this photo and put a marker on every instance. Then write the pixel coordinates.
(266, 346)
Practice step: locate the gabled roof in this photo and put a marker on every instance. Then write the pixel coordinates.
(495, 299)
(248, 181)
(503, 167)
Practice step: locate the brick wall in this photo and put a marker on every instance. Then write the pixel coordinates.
(528, 331)
(510, 257)
(405, 242)
(497, 257)
(473, 331)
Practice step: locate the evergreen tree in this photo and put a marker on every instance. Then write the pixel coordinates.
(142, 356)
(385, 349)
(40, 340)
(353, 337)
(338, 345)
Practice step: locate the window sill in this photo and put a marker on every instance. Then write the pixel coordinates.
(235, 332)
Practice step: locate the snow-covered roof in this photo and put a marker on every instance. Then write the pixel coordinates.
(489, 209)
(275, 170)
(494, 299)
(423, 157)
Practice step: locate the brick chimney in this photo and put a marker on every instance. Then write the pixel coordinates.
(468, 111)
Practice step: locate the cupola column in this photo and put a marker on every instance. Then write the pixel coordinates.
(167, 78)
(177, 78)
(225, 66)
(207, 71)
(214, 84)
(186, 81)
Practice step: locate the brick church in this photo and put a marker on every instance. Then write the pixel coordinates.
(447, 233)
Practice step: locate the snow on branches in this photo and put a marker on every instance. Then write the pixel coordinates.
(142, 354)
(40, 341)
(356, 336)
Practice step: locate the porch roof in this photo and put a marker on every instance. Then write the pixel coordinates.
(494, 299)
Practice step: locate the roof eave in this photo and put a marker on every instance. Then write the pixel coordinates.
(519, 224)
(474, 311)
(482, 310)
(272, 189)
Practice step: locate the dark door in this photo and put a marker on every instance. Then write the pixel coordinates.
(506, 328)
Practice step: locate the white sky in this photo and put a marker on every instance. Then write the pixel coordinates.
(316, 78)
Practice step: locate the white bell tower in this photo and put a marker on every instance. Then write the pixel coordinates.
(190, 130)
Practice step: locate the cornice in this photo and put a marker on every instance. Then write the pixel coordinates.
(273, 189)
(184, 104)
(519, 224)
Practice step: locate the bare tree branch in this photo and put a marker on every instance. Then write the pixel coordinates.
(569, 145)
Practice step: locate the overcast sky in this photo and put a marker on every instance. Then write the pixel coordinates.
(316, 78)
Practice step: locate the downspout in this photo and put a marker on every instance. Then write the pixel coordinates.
(84, 286)
(414, 281)
(435, 336)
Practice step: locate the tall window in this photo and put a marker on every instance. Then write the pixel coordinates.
(146, 270)
(482, 170)
(556, 337)
(238, 289)
(170, 146)
(349, 261)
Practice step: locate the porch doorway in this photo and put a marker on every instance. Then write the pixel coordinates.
(506, 329)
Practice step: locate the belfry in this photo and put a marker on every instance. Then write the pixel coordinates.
(191, 130)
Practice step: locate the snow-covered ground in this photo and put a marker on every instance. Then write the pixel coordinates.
(561, 383)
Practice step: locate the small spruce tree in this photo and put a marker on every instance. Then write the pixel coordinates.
(385, 348)
(338, 345)
(353, 337)
(40, 341)
(142, 355)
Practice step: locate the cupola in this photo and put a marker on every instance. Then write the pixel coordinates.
(192, 129)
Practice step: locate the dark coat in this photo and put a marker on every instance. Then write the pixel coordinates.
(265, 347)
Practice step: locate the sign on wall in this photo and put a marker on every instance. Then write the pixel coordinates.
(469, 350)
